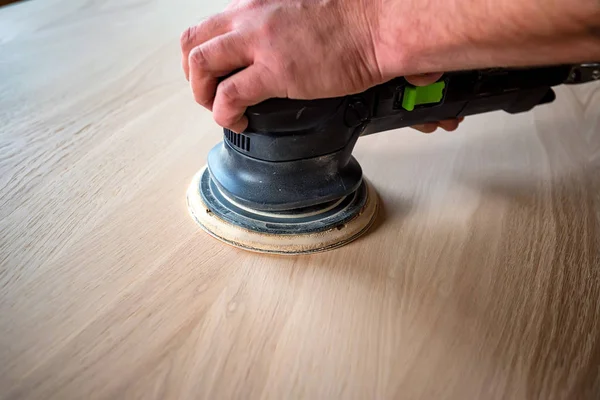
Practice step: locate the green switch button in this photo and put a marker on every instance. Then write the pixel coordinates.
(417, 95)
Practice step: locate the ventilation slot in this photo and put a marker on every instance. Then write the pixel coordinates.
(238, 140)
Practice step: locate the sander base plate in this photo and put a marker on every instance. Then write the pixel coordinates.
(288, 233)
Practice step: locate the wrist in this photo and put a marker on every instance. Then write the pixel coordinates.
(415, 37)
(361, 18)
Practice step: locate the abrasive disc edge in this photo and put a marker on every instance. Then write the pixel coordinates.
(288, 244)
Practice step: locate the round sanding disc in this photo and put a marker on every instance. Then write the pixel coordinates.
(230, 224)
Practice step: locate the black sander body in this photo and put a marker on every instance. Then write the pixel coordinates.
(289, 183)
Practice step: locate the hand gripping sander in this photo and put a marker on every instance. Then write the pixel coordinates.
(289, 184)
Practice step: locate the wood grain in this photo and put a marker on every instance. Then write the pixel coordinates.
(480, 281)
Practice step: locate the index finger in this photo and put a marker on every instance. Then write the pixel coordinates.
(241, 90)
(194, 36)
(213, 60)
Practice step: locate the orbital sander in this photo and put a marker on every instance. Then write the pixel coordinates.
(289, 183)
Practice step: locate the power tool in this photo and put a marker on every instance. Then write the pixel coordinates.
(289, 184)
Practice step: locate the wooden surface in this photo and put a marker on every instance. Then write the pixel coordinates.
(480, 281)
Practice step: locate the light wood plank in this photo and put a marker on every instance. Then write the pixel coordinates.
(481, 279)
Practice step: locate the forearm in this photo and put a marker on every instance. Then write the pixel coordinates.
(442, 35)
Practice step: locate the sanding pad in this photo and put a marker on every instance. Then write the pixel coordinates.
(310, 230)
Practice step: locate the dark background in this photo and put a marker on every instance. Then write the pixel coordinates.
(5, 2)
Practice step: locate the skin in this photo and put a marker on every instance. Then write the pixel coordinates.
(309, 49)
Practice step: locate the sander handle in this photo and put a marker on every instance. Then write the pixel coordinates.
(298, 153)
(286, 129)
(388, 106)
(464, 93)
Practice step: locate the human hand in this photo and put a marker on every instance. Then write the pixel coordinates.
(429, 127)
(300, 49)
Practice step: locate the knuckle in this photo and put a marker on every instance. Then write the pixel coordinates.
(186, 38)
(266, 29)
(224, 118)
(229, 90)
(271, 26)
(199, 57)
(209, 22)
(202, 94)
(195, 35)
(200, 97)
(202, 100)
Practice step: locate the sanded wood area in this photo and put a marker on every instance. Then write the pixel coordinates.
(481, 279)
